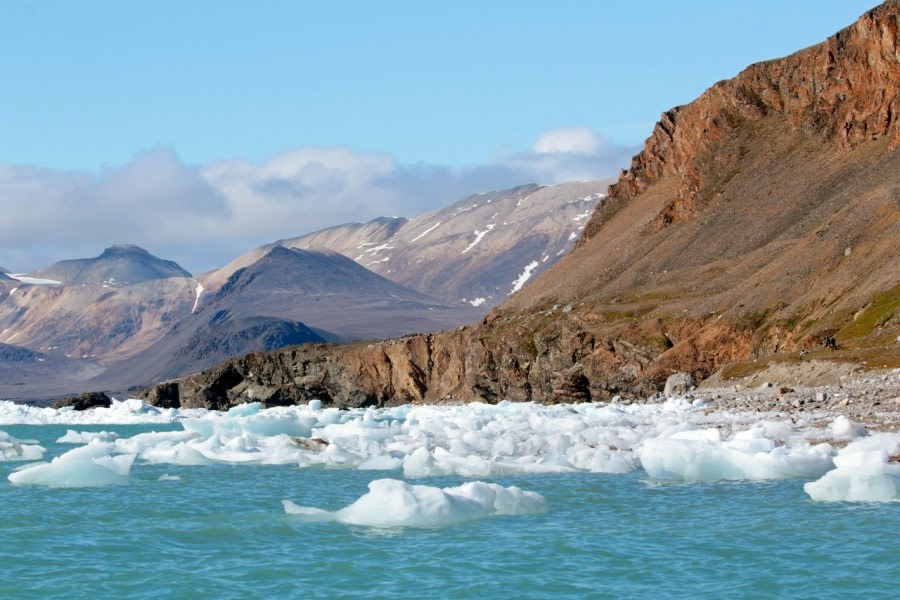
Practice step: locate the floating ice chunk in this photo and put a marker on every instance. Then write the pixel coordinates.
(12, 448)
(87, 466)
(380, 462)
(168, 477)
(180, 454)
(85, 437)
(393, 503)
(843, 428)
(703, 456)
(863, 473)
(308, 513)
(144, 442)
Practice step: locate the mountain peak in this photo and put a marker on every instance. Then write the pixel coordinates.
(123, 250)
(118, 265)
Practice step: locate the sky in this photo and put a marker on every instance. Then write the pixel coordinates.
(200, 130)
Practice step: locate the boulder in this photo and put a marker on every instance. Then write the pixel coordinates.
(84, 401)
(678, 383)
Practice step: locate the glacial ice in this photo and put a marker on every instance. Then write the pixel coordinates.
(85, 437)
(702, 455)
(15, 449)
(119, 413)
(392, 503)
(863, 472)
(671, 441)
(86, 466)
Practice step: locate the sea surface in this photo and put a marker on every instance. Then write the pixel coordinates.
(220, 531)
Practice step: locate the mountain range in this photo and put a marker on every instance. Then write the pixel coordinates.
(759, 220)
(127, 317)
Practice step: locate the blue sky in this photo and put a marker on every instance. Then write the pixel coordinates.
(441, 98)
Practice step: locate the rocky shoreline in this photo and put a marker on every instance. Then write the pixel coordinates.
(870, 398)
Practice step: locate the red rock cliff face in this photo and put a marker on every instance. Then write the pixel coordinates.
(844, 91)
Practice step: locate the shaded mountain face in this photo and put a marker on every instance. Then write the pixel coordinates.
(759, 219)
(117, 266)
(223, 337)
(328, 290)
(4, 270)
(477, 251)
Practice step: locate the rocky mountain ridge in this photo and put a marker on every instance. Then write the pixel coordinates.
(760, 219)
(478, 250)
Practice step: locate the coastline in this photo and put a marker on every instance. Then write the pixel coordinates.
(870, 398)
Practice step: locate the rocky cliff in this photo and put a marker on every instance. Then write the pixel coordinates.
(759, 219)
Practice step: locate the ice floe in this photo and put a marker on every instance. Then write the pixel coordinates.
(393, 503)
(85, 437)
(863, 472)
(15, 449)
(87, 466)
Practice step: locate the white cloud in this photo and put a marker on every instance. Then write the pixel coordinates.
(569, 154)
(204, 216)
(570, 140)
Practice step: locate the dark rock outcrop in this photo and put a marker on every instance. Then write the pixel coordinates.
(85, 401)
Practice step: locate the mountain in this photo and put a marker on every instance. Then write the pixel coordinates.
(758, 220)
(478, 250)
(119, 265)
(328, 290)
(289, 296)
(121, 335)
(4, 270)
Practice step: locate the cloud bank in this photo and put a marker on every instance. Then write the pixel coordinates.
(202, 216)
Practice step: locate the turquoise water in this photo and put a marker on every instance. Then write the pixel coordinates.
(221, 532)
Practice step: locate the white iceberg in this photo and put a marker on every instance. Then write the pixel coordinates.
(85, 437)
(393, 503)
(87, 466)
(12, 448)
(863, 472)
(703, 455)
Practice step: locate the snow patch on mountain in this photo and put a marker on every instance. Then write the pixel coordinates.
(525, 276)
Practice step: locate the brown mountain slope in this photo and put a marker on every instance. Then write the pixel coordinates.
(760, 218)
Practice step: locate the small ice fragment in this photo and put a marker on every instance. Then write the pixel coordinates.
(85, 437)
(12, 448)
(843, 428)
